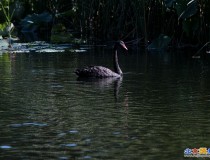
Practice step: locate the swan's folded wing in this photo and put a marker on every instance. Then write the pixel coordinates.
(96, 71)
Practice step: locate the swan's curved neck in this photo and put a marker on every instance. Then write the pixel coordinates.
(116, 65)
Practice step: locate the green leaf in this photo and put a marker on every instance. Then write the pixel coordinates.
(190, 26)
(192, 9)
(169, 3)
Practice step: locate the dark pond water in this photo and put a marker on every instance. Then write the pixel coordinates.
(158, 109)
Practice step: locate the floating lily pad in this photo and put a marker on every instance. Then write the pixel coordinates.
(38, 47)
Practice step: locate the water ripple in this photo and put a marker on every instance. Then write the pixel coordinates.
(5, 147)
(73, 131)
(70, 145)
(28, 124)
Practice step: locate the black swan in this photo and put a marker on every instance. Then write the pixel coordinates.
(103, 72)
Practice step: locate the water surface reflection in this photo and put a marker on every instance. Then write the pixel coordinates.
(158, 109)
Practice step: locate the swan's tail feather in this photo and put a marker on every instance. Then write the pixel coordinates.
(81, 72)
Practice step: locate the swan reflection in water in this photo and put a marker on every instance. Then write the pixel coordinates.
(102, 83)
(115, 84)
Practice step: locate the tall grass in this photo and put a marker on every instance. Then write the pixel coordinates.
(99, 20)
(114, 19)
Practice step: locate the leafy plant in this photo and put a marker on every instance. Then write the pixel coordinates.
(192, 9)
(7, 27)
(5, 5)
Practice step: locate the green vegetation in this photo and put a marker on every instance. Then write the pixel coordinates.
(184, 22)
(7, 27)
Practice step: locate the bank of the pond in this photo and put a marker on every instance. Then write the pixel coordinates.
(38, 47)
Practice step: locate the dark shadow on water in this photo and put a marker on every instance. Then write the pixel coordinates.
(110, 82)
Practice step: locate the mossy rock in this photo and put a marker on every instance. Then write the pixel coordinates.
(61, 37)
(58, 28)
(59, 34)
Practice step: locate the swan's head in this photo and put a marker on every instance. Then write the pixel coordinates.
(120, 44)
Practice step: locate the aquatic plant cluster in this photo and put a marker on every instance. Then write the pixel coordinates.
(185, 22)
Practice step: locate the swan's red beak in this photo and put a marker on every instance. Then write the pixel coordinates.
(123, 45)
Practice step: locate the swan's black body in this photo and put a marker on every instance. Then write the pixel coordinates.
(103, 72)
